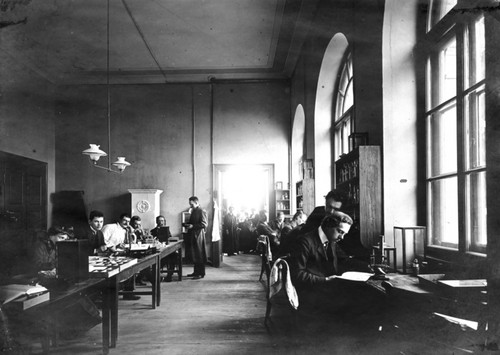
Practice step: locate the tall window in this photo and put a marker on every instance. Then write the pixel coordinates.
(455, 121)
(344, 107)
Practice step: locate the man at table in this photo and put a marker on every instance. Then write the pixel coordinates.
(171, 260)
(197, 226)
(116, 236)
(94, 234)
(317, 261)
(160, 222)
(45, 256)
(136, 229)
(334, 201)
(83, 310)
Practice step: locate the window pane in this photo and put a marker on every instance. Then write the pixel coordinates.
(443, 73)
(474, 44)
(443, 216)
(442, 143)
(345, 135)
(476, 212)
(338, 141)
(437, 10)
(349, 97)
(475, 149)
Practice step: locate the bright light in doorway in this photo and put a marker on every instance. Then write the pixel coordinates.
(246, 189)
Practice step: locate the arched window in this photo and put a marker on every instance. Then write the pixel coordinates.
(344, 103)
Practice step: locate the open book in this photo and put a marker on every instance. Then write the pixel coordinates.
(11, 292)
(354, 276)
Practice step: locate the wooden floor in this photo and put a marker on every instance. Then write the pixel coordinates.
(224, 314)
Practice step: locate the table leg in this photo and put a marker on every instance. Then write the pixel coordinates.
(179, 262)
(154, 285)
(105, 320)
(158, 288)
(113, 305)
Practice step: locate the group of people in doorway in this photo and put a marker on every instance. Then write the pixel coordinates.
(240, 231)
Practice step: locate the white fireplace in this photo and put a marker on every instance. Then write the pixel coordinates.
(146, 204)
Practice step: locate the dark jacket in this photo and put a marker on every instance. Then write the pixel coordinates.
(96, 240)
(199, 220)
(309, 264)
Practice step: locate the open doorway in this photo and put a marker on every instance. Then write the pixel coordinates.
(246, 188)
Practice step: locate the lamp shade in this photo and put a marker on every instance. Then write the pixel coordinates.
(94, 153)
(121, 163)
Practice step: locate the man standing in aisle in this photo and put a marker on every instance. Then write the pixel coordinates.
(197, 226)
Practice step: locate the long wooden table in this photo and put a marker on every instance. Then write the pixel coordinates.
(110, 297)
(60, 298)
(108, 287)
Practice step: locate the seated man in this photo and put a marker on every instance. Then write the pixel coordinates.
(82, 309)
(316, 261)
(94, 234)
(171, 260)
(136, 228)
(44, 255)
(116, 236)
(263, 228)
(278, 224)
(160, 222)
(334, 201)
(290, 232)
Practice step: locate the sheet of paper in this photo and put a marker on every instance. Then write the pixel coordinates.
(355, 276)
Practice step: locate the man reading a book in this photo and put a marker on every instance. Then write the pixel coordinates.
(317, 263)
(317, 255)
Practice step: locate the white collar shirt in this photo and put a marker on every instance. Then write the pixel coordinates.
(114, 234)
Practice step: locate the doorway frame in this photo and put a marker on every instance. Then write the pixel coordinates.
(218, 169)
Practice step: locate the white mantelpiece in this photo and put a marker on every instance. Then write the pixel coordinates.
(146, 204)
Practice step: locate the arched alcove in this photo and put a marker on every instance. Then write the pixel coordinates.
(298, 133)
(323, 159)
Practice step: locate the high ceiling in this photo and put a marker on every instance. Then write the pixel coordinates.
(151, 41)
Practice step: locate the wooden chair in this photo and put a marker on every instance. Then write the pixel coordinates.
(264, 251)
(279, 284)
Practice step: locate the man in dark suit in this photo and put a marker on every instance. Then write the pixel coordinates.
(197, 226)
(334, 201)
(94, 233)
(160, 222)
(316, 258)
(315, 263)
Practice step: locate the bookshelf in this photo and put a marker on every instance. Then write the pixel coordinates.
(305, 195)
(358, 175)
(282, 200)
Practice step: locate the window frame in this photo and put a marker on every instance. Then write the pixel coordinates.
(455, 24)
(339, 104)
